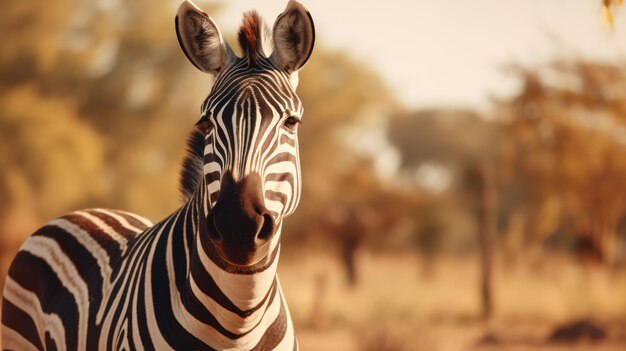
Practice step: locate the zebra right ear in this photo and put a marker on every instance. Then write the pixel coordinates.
(201, 40)
(294, 37)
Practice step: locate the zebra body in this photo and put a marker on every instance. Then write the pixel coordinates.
(205, 277)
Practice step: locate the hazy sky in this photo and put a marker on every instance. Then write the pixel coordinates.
(451, 51)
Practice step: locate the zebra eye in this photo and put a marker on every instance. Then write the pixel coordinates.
(290, 123)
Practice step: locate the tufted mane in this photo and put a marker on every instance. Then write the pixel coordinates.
(191, 171)
(253, 36)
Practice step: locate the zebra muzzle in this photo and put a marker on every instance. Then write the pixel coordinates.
(242, 225)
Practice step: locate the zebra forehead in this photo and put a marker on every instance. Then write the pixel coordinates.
(241, 75)
(252, 96)
(249, 107)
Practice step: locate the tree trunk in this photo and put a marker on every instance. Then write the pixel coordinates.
(348, 255)
(488, 228)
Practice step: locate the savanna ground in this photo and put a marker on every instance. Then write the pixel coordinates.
(401, 303)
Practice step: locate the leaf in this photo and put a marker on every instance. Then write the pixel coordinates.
(608, 10)
(607, 16)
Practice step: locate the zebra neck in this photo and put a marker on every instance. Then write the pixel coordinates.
(234, 301)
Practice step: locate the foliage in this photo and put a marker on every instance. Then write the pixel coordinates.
(450, 136)
(566, 141)
(114, 70)
(439, 148)
(46, 145)
(608, 8)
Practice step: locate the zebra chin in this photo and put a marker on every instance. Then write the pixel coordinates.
(239, 226)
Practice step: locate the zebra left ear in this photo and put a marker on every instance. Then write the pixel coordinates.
(294, 36)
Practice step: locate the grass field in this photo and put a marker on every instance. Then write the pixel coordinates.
(396, 306)
(400, 305)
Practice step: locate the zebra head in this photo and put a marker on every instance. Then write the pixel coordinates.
(251, 166)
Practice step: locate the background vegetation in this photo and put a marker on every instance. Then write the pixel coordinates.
(433, 229)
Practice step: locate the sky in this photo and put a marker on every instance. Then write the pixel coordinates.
(452, 52)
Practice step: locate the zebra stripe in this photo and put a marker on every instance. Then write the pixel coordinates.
(235, 309)
(108, 279)
(245, 114)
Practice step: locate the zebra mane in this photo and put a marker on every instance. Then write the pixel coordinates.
(191, 171)
(254, 36)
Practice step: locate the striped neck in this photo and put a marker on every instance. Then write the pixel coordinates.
(233, 305)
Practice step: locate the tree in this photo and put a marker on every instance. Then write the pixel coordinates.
(364, 211)
(566, 140)
(121, 74)
(468, 147)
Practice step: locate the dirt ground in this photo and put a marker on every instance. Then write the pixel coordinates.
(402, 303)
(458, 336)
(399, 304)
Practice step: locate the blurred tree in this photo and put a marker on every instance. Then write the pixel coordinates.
(566, 140)
(364, 211)
(467, 146)
(92, 94)
(122, 76)
(608, 9)
(483, 176)
(49, 159)
(429, 235)
(47, 146)
(36, 32)
(437, 148)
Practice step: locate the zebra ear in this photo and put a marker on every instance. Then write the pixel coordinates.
(294, 36)
(201, 40)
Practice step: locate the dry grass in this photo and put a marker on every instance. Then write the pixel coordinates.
(398, 307)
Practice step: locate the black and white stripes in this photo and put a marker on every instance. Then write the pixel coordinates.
(205, 277)
(93, 280)
(247, 112)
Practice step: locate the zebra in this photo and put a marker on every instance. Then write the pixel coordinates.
(203, 278)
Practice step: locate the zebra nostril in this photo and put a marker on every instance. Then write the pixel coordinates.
(267, 229)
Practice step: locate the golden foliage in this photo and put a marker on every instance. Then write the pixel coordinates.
(45, 143)
(607, 11)
(568, 128)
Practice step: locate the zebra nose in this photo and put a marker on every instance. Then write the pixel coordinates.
(243, 225)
